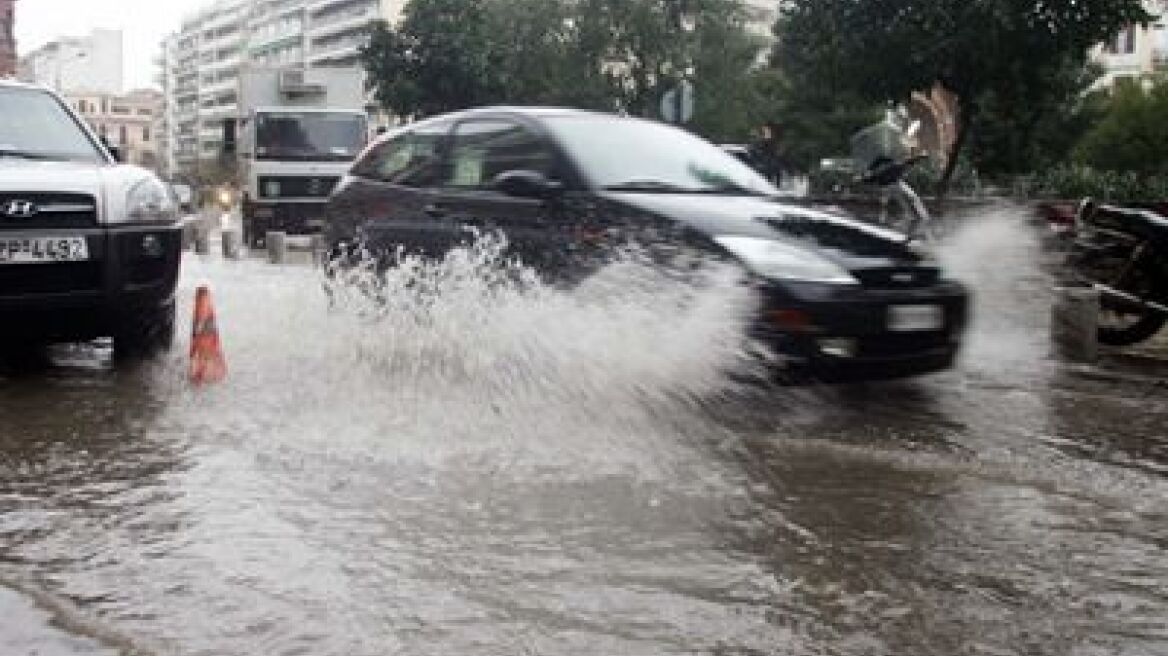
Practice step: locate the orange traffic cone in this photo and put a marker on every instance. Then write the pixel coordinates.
(207, 363)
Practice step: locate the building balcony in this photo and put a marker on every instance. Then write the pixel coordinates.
(319, 6)
(264, 39)
(229, 42)
(186, 93)
(219, 112)
(343, 49)
(220, 86)
(230, 62)
(344, 22)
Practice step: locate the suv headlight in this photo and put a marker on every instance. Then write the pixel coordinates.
(150, 201)
(770, 258)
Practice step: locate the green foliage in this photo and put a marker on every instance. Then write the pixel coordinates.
(436, 60)
(1132, 136)
(1077, 181)
(1014, 137)
(602, 54)
(1014, 59)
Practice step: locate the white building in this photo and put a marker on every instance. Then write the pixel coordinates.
(201, 62)
(90, 63)
(1136, 52)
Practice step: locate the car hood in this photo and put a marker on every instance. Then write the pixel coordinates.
(107, 183)
(57, 177)
(849, 242)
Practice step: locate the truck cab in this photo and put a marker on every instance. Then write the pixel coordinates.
(297, 135)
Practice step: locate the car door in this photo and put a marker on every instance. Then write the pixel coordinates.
(480, 150)
(389, 199)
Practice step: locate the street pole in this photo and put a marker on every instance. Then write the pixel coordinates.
(680, 11)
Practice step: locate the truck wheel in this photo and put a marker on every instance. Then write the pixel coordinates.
(145, 332)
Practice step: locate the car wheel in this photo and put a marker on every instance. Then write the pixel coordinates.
(145, 332)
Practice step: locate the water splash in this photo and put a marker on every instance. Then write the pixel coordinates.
(474, 348)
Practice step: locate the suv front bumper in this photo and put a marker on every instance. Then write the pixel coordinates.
(129, 268)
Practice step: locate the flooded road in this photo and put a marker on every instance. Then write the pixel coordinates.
(501, 469)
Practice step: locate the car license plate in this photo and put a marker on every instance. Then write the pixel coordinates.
(31, 250)
(915, 318)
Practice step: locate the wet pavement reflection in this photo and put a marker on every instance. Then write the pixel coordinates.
(551, 475)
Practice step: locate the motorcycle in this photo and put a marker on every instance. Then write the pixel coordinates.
(1123, 253)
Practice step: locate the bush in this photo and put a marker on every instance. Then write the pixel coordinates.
(1065, 182)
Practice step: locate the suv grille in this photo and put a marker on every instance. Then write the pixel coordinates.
(288, 186)
(52, 210)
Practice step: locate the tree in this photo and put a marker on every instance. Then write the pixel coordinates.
(436, 61)
(977, 49)
(1133, 133)
(600, 54)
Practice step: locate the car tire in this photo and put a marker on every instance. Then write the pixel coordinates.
(145, 332)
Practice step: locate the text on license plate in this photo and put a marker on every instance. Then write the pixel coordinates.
(915, 318)
(23, 250)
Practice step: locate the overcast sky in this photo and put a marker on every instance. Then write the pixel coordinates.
(143, 22)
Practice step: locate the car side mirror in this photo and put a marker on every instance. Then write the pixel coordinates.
(114, 151)
(526, 184)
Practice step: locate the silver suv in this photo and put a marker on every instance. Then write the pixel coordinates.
(89, 247)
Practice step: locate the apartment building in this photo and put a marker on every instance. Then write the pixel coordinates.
(91, 63)
(200, 64)
(1137, 52)
(7, 38)
(126, 121)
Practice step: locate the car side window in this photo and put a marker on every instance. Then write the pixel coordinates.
(412, 159)
(482, 149)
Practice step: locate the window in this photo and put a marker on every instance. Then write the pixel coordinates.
(146, 133)
(612, 151)
(123, 136)
(36, 122)
(412, 158)
(484, 149)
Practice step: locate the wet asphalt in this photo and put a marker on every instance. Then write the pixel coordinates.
(508, 474)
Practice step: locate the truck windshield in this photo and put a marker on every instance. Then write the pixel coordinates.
(34, 125)
(309, 136)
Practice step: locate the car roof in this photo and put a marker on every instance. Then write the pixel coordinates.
(533, 112)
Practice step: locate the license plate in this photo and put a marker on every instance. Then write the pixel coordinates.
(915, 318)
(32, 250)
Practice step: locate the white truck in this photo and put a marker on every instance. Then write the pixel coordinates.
(298, 131)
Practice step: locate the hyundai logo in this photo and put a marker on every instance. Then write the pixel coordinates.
(19, 209)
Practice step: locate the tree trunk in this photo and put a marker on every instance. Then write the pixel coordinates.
(964, 123)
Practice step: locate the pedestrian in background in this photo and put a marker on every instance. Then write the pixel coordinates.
(767, 152)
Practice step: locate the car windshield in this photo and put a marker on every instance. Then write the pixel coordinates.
(634, 155)
(34, 125)
(327, 136)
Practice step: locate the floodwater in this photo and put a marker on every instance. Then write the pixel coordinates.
(488, 466)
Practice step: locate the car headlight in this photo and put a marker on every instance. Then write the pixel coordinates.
(770, 258)
(149, 201)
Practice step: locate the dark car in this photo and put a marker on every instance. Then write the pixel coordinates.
(842, 299)
(88, 247)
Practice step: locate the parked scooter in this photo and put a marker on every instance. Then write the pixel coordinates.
(1123, 252)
